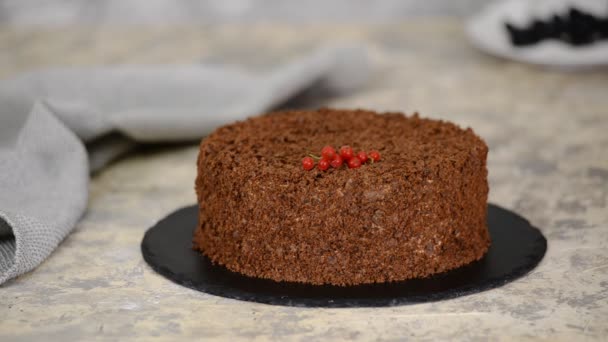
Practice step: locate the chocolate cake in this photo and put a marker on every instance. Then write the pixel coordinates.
(418, 211)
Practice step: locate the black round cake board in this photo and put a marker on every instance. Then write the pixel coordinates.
(516, 248)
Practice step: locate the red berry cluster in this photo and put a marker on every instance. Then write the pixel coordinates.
(346, 154)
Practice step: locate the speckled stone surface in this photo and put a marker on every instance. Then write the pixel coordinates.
(548, 161)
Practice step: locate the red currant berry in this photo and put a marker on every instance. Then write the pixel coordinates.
(328, 152)
(336, 162)
(362, 157)
(323, 164)
(374, 155)
(308, 163)
(354, 163)
(346, 152)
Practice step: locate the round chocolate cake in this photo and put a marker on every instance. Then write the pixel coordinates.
(419, 210)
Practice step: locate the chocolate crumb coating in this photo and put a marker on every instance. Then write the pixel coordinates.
(421, 210)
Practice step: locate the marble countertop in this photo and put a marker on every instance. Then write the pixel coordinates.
(548, 161)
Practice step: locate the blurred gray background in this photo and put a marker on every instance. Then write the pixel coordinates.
(69, 12)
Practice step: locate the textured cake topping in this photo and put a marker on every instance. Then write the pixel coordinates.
(419, 211)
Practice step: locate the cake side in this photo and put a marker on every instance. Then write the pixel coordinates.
(420, 211)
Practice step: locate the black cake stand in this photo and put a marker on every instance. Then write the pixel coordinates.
(516, 248)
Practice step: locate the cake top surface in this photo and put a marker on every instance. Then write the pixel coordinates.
(276, 143)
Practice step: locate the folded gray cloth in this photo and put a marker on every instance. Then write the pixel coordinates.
(48, 117)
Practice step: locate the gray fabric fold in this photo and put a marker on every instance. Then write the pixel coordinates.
(48, 117)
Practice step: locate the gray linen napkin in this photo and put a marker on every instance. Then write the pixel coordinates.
(48, 117)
